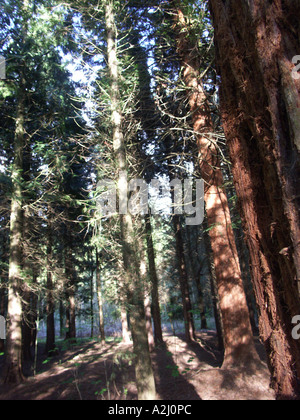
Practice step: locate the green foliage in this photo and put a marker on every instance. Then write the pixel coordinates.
(64, 156)
(174, 370)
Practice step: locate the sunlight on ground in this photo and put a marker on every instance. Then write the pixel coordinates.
(183, 371)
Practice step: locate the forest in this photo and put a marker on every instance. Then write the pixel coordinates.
(149, 200)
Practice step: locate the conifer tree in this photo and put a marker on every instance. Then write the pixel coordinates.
(133, 287)
(35, 92)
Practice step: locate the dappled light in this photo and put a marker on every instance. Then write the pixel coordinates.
(184, 371)
(149, 201)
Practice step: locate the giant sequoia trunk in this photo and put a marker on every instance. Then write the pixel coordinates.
(255, 44)
(238, 338)
(134, 290)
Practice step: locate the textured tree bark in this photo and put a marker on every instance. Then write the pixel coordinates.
(255, 43)
(238, 338)
(12, 372)
(134, 290)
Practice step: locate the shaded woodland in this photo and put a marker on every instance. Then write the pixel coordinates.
(111, 291)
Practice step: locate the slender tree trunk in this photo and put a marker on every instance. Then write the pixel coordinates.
(193, 257)
(184, 285)
(92, 298)
(100, 300)
(92, 302)
(147, 303)
(26, 262)
(61, 318)
(214, 288)
(26, 324)
(201, 302)
(70, 293)
(34, 313)
(12, 372)
(158, 337)
(50, 305)
(255, 44)
(125, 327)
(145, 113)
(238, 338)
(134, 291)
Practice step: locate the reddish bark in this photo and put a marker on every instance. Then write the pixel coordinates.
(255, 42)
(238, 338)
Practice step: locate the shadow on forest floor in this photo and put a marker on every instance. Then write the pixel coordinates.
(91, 370)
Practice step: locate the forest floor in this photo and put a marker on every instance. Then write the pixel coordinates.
(90, 370)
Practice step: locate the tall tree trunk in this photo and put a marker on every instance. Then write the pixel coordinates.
(61, 318)
(92, 294)
(124, 320)
(214, 288)
(184, 285)
(255, 44)
(238, 338)
(27, 261)
(70, 294)
(158, 337)
(134, 291)
(193, 257)
(145, 113)
(145, 285)
(50, 305)
(99, 296)
(12, 372)
(92, 303)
